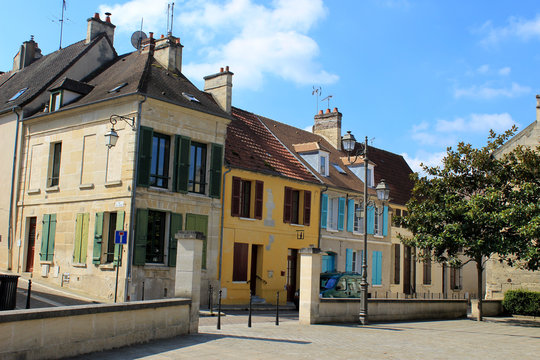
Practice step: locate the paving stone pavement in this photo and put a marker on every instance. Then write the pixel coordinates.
(453, 339)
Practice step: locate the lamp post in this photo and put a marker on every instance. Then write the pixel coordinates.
(383, 192)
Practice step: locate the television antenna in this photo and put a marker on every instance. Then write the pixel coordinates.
(317, 91)
(170, 17)
(328, 99)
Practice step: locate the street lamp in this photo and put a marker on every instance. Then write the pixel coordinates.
(112, 136)
(383, 193)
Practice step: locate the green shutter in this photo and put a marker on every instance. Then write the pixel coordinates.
(117, 260)
(176, 168)
(145, 156)
(176, 225)
(44, 237)
(199, 223)
(98, 238)
(215, 170)
(183, 164)
(52, 232)
(141, 234)
(84, 240)
(78, 237)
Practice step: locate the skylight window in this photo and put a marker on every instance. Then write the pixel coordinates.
(338, 168)
(190, 97)
(116, 89)
(19, 93)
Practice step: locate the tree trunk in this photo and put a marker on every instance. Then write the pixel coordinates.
(479, 271)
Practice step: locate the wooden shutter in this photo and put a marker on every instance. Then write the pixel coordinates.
(215, 170)
(176, 225)
(199, 223)
(176, 168)
(324, 210)
(348, 260)
(259, 194)
(141, 235)
(98, 238)
(341, 213)
(376, 275)
(350, 215)
(240, 262)
(117, 260)
(78, 237)
(307, 207)
(287, 205)
(370, 220)
(385, 221)
(236, 197)
(397, 263)
(145, 156)
(183, 164)
(47, 238)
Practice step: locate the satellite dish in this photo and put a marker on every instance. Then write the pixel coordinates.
(137, 38)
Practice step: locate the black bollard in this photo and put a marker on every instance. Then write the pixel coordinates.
(219, 311)
(249, 316)
(210, 299)
(142, 291)
(28, 294)
(277, 309)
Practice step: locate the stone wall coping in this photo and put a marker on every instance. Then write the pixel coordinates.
(189, 234)
(310, 250)
(341, 300)
(62, 311)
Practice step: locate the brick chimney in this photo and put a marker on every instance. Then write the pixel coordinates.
(97, 26)
(28, 52)
(220, 86)
(168, 52)
(328, 125)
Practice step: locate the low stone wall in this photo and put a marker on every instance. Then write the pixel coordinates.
(380, 310)
(489, 308)
(51, 333)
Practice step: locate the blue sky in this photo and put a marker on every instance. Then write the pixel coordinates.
(413, 76)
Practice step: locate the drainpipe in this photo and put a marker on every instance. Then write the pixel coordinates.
(132, 210)
(12, 194)
(320, 216)
(221, 230)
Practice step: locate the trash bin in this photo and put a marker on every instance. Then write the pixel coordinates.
(8, 291)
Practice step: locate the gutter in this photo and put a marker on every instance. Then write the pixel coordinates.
(221, 230)
(132, 210)
(12, 195)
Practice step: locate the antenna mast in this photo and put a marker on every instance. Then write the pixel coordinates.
(316, 91)
(328, 98)
(170, 18)
(62, 22)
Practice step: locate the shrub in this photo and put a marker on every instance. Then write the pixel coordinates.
(522, 302)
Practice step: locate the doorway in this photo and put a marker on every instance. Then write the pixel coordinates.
(31, 244)
(292, 257)
(254, 269)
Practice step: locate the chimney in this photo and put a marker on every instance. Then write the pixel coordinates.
(220, 86)
(28, 52)
(97, 26)
(168, 52)
(328, 125)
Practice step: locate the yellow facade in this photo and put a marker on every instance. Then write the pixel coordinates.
(267, 247)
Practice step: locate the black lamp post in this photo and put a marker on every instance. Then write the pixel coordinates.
(383, 193)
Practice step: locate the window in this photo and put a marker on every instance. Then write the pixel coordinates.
(338, 168)
(329, 262)
(336, 213)
(190, 97)
(54, 164)
(159, 166)
(19, 93)
(359, 218)
(105, 226)
(247, 198)
(427, 271)
(455, 278)
(56, 101)
(297, 206)
(397, 263)
(155, 245)
(360, 173)
(323, 163)
(80, 244)
(48, 233)
(240, 262)
(397, 212)
(376, 268)
(197, 168)
(353, 260)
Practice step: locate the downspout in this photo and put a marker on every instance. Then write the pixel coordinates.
(221, 230)
(12, 195)
(132, 208)
(320, 216)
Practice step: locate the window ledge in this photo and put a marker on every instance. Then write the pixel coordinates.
(297, 225)
(52, 189)
(157, 266)
(107, 266)
(158, 189)
(78, 265)
(247, 219)
(379, 236)
(33, 191)
(45, 263)
(357, 233)
(86, 186)
(239, 282)
(376, 286)
(332, 230)
(113, 183)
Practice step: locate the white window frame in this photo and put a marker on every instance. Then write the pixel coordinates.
(333, 214)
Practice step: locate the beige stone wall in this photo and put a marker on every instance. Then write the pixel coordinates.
(70, 331)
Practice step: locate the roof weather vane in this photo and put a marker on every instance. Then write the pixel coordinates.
(317, 91)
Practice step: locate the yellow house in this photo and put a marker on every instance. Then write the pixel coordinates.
(270, 211)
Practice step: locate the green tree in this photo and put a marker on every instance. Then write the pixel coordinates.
(478, 205)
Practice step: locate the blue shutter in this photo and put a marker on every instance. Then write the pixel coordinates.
(385, 221)
(324, 210)
(341, 214)
(370, 220)
(348, 260)
(350, 215)
(376, 275)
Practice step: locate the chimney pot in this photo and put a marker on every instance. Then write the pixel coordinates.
(227, 68)
(320, 112)
(108, 18)
(335, 109)
(96, 16)
(328, 111)
(151, 35)
(220, 70)
(162, 36)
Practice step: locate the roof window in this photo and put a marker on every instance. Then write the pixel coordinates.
(19, 93)
(116, 89)
(338, 168)
(190, 97)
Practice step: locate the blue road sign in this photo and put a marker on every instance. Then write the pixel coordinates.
(120, 237)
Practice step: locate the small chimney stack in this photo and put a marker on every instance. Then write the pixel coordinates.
(96, 26)
(328, 125)
(220, 86)
(28, 52)
(167, 51)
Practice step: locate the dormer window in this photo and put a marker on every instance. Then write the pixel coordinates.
(315, 155)
(323, 163)
(56, 101)
(360, 172)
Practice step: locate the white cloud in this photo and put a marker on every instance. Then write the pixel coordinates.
(504, 71)
(425, 158)
(477, 123)
(487, 92)
(516, 28)
(483, 69)
(127, 17)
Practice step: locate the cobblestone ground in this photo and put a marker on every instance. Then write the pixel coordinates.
(456, 339)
